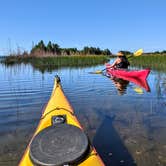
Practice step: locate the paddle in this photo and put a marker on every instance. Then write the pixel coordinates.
(138, 90)
(135, 54)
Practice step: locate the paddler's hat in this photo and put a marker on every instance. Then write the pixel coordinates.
(120, 53)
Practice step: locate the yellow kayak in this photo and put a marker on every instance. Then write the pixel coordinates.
(59, 138)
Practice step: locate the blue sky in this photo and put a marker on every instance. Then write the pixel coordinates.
(113, 24)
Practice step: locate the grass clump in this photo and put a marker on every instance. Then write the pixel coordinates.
(155, 61)
(57, 61)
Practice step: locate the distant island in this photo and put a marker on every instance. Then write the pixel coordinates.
(51, 55)
(52, 49)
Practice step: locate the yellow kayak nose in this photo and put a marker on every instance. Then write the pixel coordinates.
(59, 138)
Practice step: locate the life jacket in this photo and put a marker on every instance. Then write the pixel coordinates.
(124, 63)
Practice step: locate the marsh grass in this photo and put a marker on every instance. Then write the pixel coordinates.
(53, 62)
(155, 62)
(70, 61)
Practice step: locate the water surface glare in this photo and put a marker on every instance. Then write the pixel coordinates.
(127, 127)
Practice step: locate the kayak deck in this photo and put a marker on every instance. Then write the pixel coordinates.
(58, 105)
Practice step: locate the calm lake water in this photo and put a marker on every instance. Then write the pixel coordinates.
(127, 127)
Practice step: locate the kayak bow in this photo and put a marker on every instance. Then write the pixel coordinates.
(59, 138)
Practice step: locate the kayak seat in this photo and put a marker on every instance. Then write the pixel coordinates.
(59, 145)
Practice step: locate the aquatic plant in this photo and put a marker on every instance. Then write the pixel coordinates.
(57, 61)
(152, 61)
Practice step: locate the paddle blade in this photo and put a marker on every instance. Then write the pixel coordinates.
(138, 52)
(98, 72)
(138, 90)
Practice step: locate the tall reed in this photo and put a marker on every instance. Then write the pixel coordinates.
(57, 61)
(155, 62)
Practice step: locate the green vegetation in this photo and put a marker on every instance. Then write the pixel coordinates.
(155, 61)
(54, 49)
(53, 62)
(69, 61)
(52, 56)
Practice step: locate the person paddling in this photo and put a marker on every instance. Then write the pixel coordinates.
(121, 61)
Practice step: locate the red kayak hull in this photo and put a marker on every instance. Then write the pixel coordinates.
(136, 76)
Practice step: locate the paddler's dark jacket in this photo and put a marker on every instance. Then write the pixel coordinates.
(123, 64)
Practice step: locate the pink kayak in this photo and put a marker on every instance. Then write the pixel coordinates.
(142, 74)
(136, 76)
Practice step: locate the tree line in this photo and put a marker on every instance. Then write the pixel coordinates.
(54, 49)
(157, 52)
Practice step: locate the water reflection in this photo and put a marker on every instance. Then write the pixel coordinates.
(120, 84)
(112, 149)
(125, 129)
(138, 90)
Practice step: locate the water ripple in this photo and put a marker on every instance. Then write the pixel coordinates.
(135, 120)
